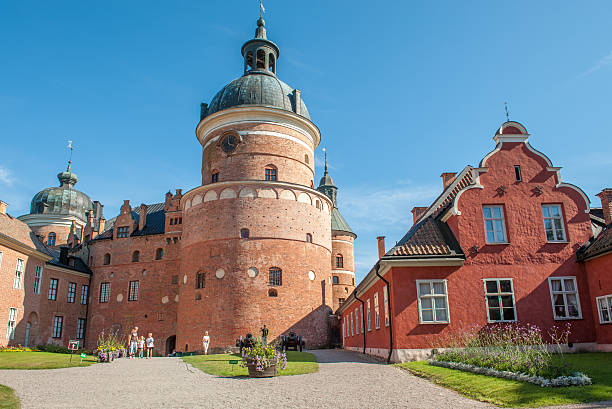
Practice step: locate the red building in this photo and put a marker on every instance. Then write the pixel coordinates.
(498, 245)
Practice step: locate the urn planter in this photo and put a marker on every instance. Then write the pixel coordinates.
(266, 373)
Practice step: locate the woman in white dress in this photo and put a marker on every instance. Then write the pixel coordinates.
(205, 342)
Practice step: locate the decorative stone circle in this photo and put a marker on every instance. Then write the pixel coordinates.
(220, 273)
(252, 272)
(165, 299)
(185, 279)
(176, 298)
(119, 297)
(311, 275)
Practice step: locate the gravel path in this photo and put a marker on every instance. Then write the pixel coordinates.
(345, 380)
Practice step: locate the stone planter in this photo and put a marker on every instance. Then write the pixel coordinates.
(267, 373)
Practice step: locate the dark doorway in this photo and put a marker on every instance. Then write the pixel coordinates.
(170, 344)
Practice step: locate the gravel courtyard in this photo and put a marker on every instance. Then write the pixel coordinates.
(345, 380)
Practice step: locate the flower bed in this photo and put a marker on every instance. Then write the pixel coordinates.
(17, 348)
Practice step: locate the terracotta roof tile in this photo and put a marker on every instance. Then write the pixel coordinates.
(598, 245)
(429, 237)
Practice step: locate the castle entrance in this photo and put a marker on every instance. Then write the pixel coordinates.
(170, 344)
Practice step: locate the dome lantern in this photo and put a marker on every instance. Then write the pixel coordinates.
(260, 54)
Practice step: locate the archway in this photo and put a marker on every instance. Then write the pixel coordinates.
(170, 344)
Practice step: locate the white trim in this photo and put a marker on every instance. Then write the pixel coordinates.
(501, 138)
(343, 241)
(563, 292)
(499, 294)
(493, 218)
(608, 299)
(343, 271)
(433, 305)
(549, 205)
(50, 219)
(443, 196)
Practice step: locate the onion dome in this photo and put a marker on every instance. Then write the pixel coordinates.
(259, 85)
(63, 199)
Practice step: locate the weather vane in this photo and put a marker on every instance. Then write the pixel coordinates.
(507, 114)
(70, 157)
(262, 9)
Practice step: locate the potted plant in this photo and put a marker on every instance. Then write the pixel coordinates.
(262, 360)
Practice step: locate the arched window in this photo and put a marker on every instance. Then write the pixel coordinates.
(261, 59)
(159, 254)
(306, 159)
(135, 256)
(107, 259)
(249, 60)
(272, 292)
(214, 177)
(318, 204)
(271, 173)
(276, 276)
(308, 238)
(51, 239)
(336, 280)
(339, 261)
(244, 233)
(271, 62)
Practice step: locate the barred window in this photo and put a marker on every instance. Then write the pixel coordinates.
(81, 328)
(53, 289)
(104, 292)
(57, 326)
(71, 292)
(201, 280)
(133, 293)
(84, 294)
(276, 276)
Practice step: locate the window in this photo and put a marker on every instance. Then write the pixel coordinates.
(133, 294)
(604, 306)
(198, 296)
(53, 289)
(175, 279)
(18, 274)
(433, 301)
(270, 173)
(308, 238)
(51, 239)
(80, 328)
(135, 256)
(0, 259)
(107, 259)
(84, 294)
(214, 178)
(37, 279)
(200, 280)
(104, 292)
(249, 59)
(335, 280)
(339, 261)
(57, 326)
(356, 321)
(10, 329)
(272, 292)
(517, 173)
(341, 301)
(306, 159)
(123, 231)
(564, 296)
(159, 254)
(71, 292)
(495, 227)
(171, 222)
(499, 294)
(244, 233)
(261, 59)
(180, 220)
(361, 310)
(553, 222)
(271, 62)
(386, 304)
(376, 312)
(352, 325)
(369, 315)
(276, 276)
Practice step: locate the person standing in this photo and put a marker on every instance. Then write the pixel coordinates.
(150, 344)
(141, 346)
(205, 342)
(264, 335)
(133, 342)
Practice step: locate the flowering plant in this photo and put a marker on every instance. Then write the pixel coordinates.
(109, 346)
(263, 356)
(17, 348)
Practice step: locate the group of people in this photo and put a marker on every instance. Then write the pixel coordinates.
(138, 345)
(206, 338)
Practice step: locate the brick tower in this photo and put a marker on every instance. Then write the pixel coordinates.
(256, 242)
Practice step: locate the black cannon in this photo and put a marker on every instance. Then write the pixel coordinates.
(292, 341)
(246, 342)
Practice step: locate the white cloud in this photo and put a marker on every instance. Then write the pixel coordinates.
(605, 61)
(6, 177)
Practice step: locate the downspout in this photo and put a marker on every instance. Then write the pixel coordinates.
(377, 266)
(362, 322)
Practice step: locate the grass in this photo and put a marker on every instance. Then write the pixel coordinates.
(298, 363)
(8, 399)
(507, 393)
(41, 360)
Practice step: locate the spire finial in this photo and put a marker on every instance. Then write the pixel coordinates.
(507, 113)
(262, 9)
(70, 157)
(325, 152)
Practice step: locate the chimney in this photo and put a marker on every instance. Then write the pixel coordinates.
(381, 246)
(142, 217)
(3, 206)
(101, 224)
(448, 178)
(417, 212)
(606, 204)
(63, 258)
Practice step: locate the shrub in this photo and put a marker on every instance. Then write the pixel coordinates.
(58, 349)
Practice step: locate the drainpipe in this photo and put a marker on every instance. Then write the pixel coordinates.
(362, 322)
(377, 266)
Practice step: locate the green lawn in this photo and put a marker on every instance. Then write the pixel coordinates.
(298, 363)
(508, 393)
(8, 399)
(41, 360)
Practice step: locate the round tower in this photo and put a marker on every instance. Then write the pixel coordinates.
(343, 245)
(256, 239)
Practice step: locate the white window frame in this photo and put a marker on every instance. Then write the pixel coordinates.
(81, 324)
(104, 296)
(0, 259)
(492, 219)
(356, 321)
(369, 315)
(362, 319)
(18, 273)
(53, 289)
(564, 293)
(71, 292)
(12, 323)
(499, 295)
(133, 290)
(386, 304)
(352, 325)
(84, 294)
(376, 311)
(430, 282)
(56, 326)
(38, 279)
(553, 218)
(608, 300)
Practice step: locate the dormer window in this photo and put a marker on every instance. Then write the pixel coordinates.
(123, 232)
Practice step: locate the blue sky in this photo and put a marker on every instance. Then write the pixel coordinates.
(401, 91)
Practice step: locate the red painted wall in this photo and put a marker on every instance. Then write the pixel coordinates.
(599, 272)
